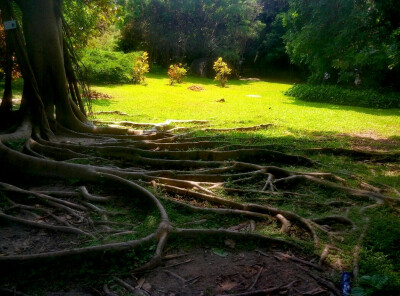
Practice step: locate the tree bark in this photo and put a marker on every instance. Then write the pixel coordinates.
(6, 103)
(42, 25)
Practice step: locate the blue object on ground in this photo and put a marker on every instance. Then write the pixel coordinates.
(345, 284)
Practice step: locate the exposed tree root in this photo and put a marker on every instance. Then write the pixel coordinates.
(238, 129)
(184, 172)
(111, 112)
(285, 223)
(356, 252)
(129, 288)
(165, 126)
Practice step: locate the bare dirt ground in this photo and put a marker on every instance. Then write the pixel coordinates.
(204, 272)
(370, 141)
(207, 271)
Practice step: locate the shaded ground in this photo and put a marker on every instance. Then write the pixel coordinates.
(211, 271)
(215, 197)
(371, 141)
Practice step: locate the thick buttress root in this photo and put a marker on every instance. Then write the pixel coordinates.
(192, 174)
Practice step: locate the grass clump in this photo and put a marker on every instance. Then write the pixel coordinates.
(344, 96)
(384, 234)
(380, 263)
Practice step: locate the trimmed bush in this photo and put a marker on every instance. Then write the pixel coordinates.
(333, 94)
(109, 66)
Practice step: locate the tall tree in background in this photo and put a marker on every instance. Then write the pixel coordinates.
(267, 53)
(339, 36)
(180, 30)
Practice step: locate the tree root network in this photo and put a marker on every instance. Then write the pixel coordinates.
(157, 168)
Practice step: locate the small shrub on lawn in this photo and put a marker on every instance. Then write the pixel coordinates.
(344, 96)
(106, 67)
(222, 71)
(176, 73)
(140, 68)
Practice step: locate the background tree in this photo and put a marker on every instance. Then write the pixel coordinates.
(267, 53)
(341, 36)
(88, 19)
(177, 30)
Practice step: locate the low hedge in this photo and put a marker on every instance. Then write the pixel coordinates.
(344, 96)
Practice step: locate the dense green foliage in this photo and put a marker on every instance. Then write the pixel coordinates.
(337, 95)
(181, 30)
(89, 18)
(268, 50)
(339, 36)
(104, 66)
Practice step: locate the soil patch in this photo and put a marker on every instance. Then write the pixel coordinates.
(370, 141)
(94, 95)
(196, 88)
(210, 272)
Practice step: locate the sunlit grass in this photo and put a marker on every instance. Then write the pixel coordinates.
(246, 103)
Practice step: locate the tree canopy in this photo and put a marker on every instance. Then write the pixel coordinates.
(340, 36)
(181, 30)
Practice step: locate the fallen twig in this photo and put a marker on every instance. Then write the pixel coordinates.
(175, 276)
(177, 264)
(256, 279)
(263, 291)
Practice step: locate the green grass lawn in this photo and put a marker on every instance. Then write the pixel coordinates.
(246, 103)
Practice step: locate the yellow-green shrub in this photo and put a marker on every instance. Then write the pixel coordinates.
(140, 68)
(222, 71)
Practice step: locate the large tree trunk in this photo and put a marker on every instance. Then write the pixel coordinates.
(42, 25)
(43, 35)
(6, 103)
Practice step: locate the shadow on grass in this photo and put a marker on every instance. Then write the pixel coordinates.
(103, 103)
(302, 139)
(370, 111)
